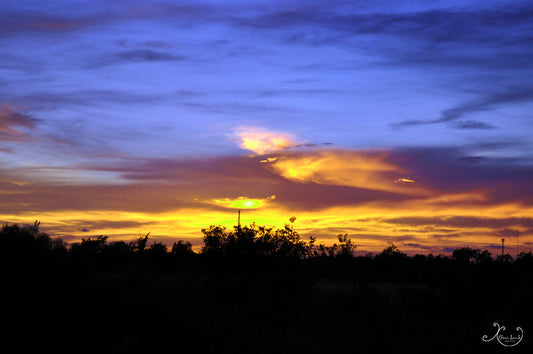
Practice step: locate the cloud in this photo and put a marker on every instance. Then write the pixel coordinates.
(405, 180)
(46, 100)
(464, 222)
(365, 170)
(473, 124)
(472, 159)
(336, 191)
(452, 169)
(13, 125)
(508, 232)
(148, 55)
(487, 102)
(17, 21)
(140, 55)
(428, 34)
(269, 159)
(261, 141)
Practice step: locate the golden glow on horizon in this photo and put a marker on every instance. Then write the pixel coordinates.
(414, 216)
(243, 202)
(370, 226)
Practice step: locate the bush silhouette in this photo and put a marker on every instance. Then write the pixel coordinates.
(255, 240)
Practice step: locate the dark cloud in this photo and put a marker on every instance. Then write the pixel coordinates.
(17, 22)
(13, 124)
(514, 95)
(433, 35)
(451, 170)
(148, 55)
(54, 17)
(489, 101)
(304, 92)
(158, 44)
(135, 56)
(161, 184)
(507, 232)
(10, 118)
(471, 159)
(463, 222)
(45, 100)
(473, 124)
(422, 247)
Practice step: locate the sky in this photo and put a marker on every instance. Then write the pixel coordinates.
(392, 121)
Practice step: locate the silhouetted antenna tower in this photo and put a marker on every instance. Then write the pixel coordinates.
(503, 240)
(239, 218)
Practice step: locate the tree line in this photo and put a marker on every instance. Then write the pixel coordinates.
(252, 289)
(249, 241)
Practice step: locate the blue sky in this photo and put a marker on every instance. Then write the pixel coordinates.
(94, 91)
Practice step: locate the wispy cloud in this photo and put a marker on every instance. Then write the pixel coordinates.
(473, 124)
(487, 102)
(464, 221)
(139, 55)
(14, 125)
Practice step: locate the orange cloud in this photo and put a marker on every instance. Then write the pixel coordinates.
(13, 124)
(263, 141)
(329, 191)
(367, 170)
(405, 180)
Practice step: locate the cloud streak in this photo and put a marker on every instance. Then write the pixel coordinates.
(14, 126)
(511, 96)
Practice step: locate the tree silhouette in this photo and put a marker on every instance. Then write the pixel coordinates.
(26, 242)
(484, 257)
(504, 258)
(182, 248)
(524, 258)
(254, 240)
(392, 252)
(466, 255)
(90, 246)
(157, 249)
(140, 244)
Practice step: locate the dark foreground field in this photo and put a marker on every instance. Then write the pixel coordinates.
(110, 297)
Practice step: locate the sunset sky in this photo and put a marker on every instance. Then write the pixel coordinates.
(392, 121)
